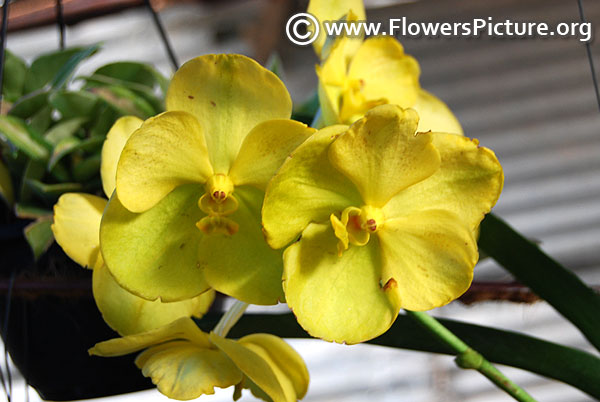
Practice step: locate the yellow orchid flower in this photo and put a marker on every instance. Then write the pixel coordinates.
(356, 75)
(76, 229)
(379, 72)
(185, 362)
(380, 219)
(333, 10)
(190, 184)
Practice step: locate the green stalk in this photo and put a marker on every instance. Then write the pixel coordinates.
(468, 358)
(230, 318)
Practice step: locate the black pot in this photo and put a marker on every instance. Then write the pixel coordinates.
(49, 320)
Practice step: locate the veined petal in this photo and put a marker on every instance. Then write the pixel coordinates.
(306, 189)
(183, 371)
(155, 254)
(129, 314)
(182, 329)
(229, 94)
(166, 151)
(434, 115)
(254, 366)
(341, 299)
(428, 257)
(385, 71)
(382, 155)
(76, 227)
(281, 354)
(265, 149)
(468, 182)
(333, 10)
(242, 265)
(116, 138)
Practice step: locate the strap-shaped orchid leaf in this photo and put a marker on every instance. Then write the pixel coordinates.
(572, 366)
(554, 283)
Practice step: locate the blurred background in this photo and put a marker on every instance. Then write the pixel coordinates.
(530, 100)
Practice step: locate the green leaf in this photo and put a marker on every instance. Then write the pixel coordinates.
(41, 120)
(87, 168)
(575, 367)
(64, 147)
(53, 66)
(28, 211)
(63, 74)
(45, 67)
(29, 105)
(39, 235)
(23, 138)
(554, 283)
(104, 120)
(6, 188)
(13, 80)
(60, 173)
(51, 192)
(64, 129)
(72, 104)
(97, 80)
(34, 170)
(131, 72)
(125, 101)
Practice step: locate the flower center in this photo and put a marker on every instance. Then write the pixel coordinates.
(354, 104)
(218, 202)
(356, 225)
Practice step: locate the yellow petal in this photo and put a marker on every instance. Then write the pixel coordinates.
(332, 80)
(385, 71)
(155, 254)
(306, 189)
(254, 366)
(329, 99)
(111, 150)
(182, 329)
(434, 115)
(328, 10)
(167, 151)
(76, 227)
(382, 155)
(341, 299)
(184, 371)
(265, 149)
(129, 314)
(429, 257)
(229, 94)
(242, 265)
(468, 182)
(281, 354)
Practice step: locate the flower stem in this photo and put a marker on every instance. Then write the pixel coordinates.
(230, 318)
(468, 358)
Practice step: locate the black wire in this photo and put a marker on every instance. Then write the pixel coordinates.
(8, 385)
(589, 54)
(163, 35)
(3, 45)
(61, 23)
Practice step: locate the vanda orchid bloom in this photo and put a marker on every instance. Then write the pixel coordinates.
(185, 362)
(356, 75)
(378, 217)
(76, 229)
(190, 184)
